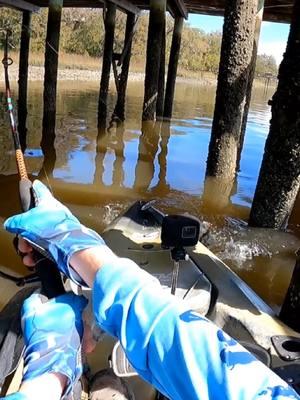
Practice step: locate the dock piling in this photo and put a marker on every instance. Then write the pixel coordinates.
(109, 23)
(51, 69)
(155, 35)
(258, 22)
(279, 178)
(173, 65)
(119, 111)
(23, 77)
(235, 62)
(161, 76)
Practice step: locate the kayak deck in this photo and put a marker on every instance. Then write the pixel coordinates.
(211, 288)
(207, 286)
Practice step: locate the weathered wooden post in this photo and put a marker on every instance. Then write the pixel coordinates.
(259, 18)
(51, 67)
(109, 23)
(155, 34)
(236, 54)
(279, 178)
(290, 309)
(119, 111)
(173, 65)
(23, 77)
(161, 76)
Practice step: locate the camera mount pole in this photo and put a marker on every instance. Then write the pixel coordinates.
(177, 254)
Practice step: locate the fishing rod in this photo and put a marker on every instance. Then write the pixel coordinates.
(45, 266)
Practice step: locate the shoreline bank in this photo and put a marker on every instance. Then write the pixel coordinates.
(36, 74)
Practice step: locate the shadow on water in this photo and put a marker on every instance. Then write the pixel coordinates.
(98, 174)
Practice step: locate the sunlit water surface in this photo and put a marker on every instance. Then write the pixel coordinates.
(98, 176)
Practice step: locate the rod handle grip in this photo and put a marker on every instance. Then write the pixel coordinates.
(46, 268)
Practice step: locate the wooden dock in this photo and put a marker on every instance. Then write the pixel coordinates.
(279, 180)
(274, 10)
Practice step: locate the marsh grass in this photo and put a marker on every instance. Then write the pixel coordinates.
(70, 61)
(82, 62)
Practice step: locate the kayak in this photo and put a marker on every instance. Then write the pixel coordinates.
(203, 281)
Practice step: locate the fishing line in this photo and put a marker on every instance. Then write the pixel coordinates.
(47, 179)
(45, 267)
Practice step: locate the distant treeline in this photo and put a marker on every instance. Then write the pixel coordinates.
(83, 33)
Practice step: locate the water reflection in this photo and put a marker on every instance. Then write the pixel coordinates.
(108, 144)
(49, 154)
(162, 185)
(147, 150)
(218, 192)
(99, 173)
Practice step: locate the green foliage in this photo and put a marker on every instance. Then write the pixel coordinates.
(266, 65)
(10, 19)
(212, 55)
(82, 33)
(38, 31)
(193, 48)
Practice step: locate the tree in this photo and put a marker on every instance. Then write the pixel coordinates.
(266, 64)
(82, 32)
(11, 19)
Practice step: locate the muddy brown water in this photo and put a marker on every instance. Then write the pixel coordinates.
(98, 176)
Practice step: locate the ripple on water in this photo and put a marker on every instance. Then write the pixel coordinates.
(238, 243)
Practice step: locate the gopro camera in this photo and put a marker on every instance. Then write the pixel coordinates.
(180, 231)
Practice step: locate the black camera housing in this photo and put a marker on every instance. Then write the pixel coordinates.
(180, 231)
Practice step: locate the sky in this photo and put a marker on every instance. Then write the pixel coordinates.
(273, 37)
